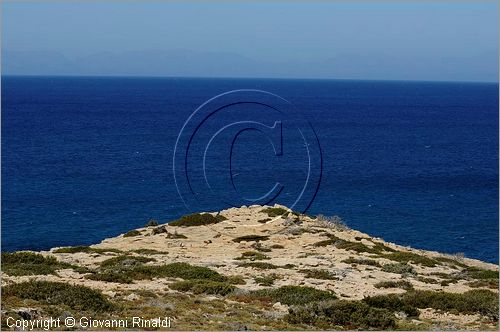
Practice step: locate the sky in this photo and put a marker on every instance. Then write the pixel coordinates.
(383, 40)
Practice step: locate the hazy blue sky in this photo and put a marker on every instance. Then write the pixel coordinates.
(420, 40)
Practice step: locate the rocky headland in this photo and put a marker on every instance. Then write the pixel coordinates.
(254, 268)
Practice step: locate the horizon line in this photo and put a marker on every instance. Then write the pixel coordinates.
(250, 78)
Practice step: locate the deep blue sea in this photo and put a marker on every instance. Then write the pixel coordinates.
(415, 163)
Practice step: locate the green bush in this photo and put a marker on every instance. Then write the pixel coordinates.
(392, 302)
(124, 262)
(341, 313)
(450, 261)
(354, 246)
(293, 295)
(377, 248)
(427, 280)
(144, 251)
(236, 280)
(490, 283)
(251, 237)
(319, 274)
(259, 265)
(121, 269)
(324, 243)
(186, 271)
(400, 268)
(85, 249)
(55, 293)
(132, 233)
(264, 281)
(361, 261)
(159, 230)
(125, 269)
(404, 284)
(29, 263)
(111, 276)
(407, 257)
(483, 302)
(252, 255)
(274, 212)
(197, 219)
(203, 287)
(152, 223)
(477, 273)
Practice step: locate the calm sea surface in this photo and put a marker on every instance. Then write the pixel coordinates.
(88, 158)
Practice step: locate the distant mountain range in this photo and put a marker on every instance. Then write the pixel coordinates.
(182, 62)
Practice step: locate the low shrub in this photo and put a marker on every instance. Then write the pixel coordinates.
(407, 257)
(441, 275)
(477, 273)
(111, 276)
(356, 246)
(483, 302)
(180, 270)
(124, 262)
(264, 281)
(450, 261)
(399, 268)
(251, 238)
(274, 212)
(86, 249)
(263, 221)
(404, 284)
(159, 230)
(293, 295)
(236, 280)
(123, 271)
(319, 274)
(259, 265)
(56, 293)
(132, 233)
(392, 302)
(28, 263)
(346, 314)
(377, 248)
(203, 287)
(490, 283)
(380, 247)
(187, 271)
(478, 301)
(252, 255)
(277, 246)
(361, 261)
(197, 219)
(469, 273)
(152, 223)
(427, 280)
(145, 251)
